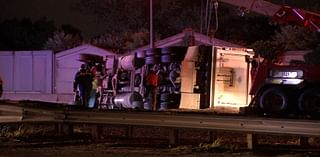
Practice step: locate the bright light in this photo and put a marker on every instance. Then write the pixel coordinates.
(286, 74)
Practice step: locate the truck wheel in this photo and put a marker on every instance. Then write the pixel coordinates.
(273, 100)
(309, 101)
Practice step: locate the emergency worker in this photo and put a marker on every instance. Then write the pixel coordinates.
(1, 86)
(83, 82)
(93, 92)
(152, 84)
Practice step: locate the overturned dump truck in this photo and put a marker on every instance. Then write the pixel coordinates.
(195, 77)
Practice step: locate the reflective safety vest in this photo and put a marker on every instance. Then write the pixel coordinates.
(153, 79)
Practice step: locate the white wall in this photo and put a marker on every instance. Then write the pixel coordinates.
(26, 71)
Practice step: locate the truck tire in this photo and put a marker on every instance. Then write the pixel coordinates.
(273, 100)
(166, 58)
(309, 101)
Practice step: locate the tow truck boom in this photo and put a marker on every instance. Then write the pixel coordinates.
(279, 14)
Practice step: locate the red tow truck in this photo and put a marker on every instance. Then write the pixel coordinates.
(284, 84)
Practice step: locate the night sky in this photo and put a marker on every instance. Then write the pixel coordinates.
(59, 11)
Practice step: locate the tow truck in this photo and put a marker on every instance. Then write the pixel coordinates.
(284, 84)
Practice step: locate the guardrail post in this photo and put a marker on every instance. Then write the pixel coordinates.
(96, 132)
(64, 129)
(212, 136)
(129, 131)
(304, 141)
(173, 136)
(251, 140)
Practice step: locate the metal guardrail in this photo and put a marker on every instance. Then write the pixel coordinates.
(228, 123)
(16, 114)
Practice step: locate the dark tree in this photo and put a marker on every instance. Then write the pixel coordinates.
(119, 16)
(24, 34)
(289, 38)
(62, 41)
(246, 29)
(69, 29)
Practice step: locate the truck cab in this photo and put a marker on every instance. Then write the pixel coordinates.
(286, 84)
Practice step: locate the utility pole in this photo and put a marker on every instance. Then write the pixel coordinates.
(151, 25)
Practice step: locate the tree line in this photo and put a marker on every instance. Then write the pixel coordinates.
(127, 27)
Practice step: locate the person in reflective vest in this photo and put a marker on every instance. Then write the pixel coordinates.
(93, 92)
(83, 82)
(152, 84)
